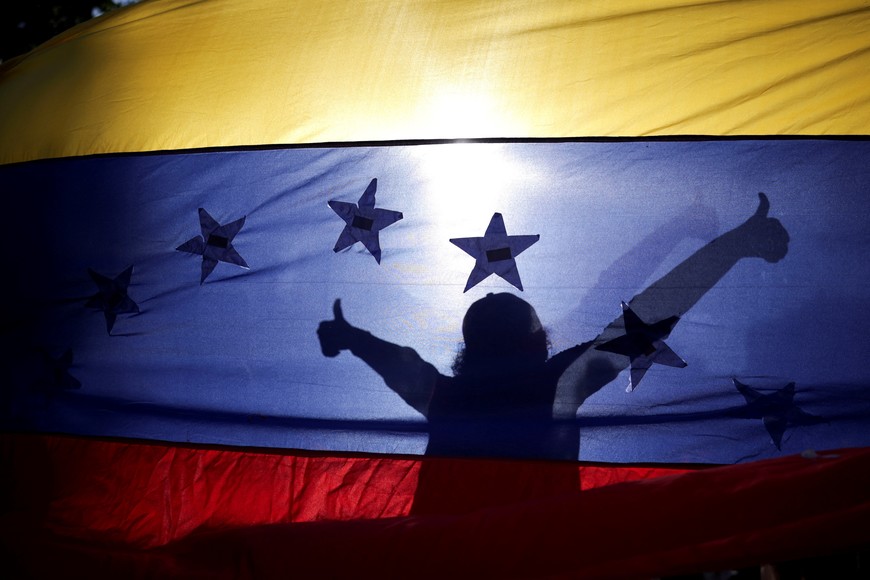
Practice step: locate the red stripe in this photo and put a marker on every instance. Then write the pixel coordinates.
(148, 494)
(224, 513)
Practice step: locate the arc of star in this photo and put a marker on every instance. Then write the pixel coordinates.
(215, 244)
(644, 345)
(776, 410)
(56, 376)
(111, 297)
(495, 253)
(363, 221)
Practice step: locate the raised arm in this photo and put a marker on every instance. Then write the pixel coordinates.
(677, 291)
(672, 296)
(402, 369)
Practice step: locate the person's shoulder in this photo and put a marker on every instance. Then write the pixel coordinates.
(577, 348)
(568, 355)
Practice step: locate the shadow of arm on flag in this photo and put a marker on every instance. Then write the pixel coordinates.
(402, 369)
(699, 221)
(656, 310)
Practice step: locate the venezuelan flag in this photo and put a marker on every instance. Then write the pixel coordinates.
(433, 288)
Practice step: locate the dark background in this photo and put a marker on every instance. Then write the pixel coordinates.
(25, 24)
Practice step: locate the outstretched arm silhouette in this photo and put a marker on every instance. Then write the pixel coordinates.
(674, 294)
(415, 380)
(402, 369)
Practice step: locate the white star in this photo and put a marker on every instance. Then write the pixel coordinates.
(495, 253)
(643, 344)
(215, 244)
(363, 222)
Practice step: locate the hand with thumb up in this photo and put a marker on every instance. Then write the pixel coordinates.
(761, 236)
(334, 334)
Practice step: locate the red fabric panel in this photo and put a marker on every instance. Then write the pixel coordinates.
(148, 494)
(703, 520)
(455, 486)
(593, 476)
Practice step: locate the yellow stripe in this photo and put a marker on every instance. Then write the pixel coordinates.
(171, 74)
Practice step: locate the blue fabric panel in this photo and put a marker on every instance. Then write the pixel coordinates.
(231, 356)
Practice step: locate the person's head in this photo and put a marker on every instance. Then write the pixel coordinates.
(501, 327)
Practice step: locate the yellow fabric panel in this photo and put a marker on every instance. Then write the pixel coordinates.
(173, 74)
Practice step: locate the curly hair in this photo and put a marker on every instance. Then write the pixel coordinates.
(502, 332)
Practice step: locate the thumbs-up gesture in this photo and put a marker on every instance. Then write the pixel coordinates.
(763, 236)
(334, 334)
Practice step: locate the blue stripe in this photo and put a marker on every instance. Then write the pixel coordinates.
(236, 360)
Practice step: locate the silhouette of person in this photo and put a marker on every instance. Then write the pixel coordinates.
(506, 398)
